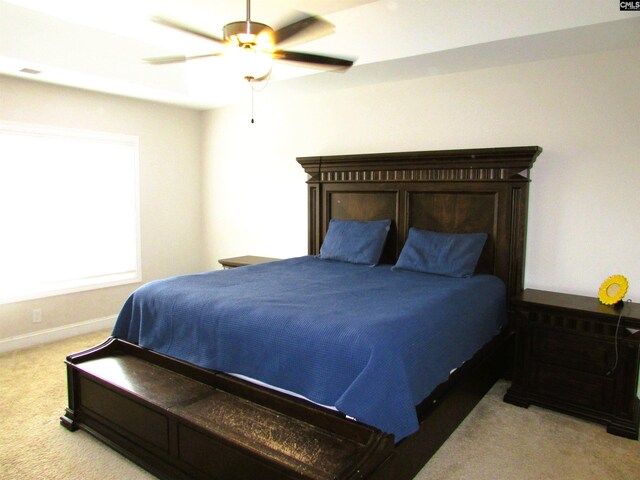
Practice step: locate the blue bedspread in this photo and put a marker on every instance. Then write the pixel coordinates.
(370, 341)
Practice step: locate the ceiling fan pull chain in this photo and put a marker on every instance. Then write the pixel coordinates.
(252, 95)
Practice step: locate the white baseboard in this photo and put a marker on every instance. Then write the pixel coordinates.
(53, 334)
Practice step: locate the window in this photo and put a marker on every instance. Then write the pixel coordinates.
(69, 217)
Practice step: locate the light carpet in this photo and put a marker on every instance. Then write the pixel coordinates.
(496, 441)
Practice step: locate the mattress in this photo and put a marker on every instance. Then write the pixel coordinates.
(371, 341)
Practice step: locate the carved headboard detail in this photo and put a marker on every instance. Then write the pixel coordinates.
(458, 191)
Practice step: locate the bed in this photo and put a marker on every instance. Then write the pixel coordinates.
(185, 408)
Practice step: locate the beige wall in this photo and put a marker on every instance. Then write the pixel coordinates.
(170, 195)
(214, 185)
(583, 110)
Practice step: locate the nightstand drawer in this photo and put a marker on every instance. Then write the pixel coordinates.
(576, 388)
(572, 351)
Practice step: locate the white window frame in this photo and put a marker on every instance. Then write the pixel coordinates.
(92, 282)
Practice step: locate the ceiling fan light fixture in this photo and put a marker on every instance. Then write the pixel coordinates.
(251, 64)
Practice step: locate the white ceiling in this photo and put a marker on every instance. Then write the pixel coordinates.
(99, 44)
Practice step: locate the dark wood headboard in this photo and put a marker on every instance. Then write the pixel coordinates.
(457, 191)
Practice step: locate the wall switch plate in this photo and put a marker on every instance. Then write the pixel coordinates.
(36, 315)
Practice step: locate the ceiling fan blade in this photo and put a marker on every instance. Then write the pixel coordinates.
(186, 28)
(176, 58)
(303, 30)
(318, 60)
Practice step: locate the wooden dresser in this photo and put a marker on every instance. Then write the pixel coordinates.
(573, 356)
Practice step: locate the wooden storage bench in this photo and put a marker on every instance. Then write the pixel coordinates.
(180, 421)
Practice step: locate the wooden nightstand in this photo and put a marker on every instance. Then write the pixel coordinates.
(565, 357)
(244, 261)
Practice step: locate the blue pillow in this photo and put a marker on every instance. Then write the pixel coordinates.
(355, 242)
(450, 254)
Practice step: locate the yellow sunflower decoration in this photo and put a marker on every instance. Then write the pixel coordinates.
(613, 289)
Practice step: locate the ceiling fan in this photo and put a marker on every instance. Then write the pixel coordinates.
(258, 44)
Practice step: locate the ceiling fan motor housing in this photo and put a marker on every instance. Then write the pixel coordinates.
(249, 34)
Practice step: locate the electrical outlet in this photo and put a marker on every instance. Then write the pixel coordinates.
(36, 315)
